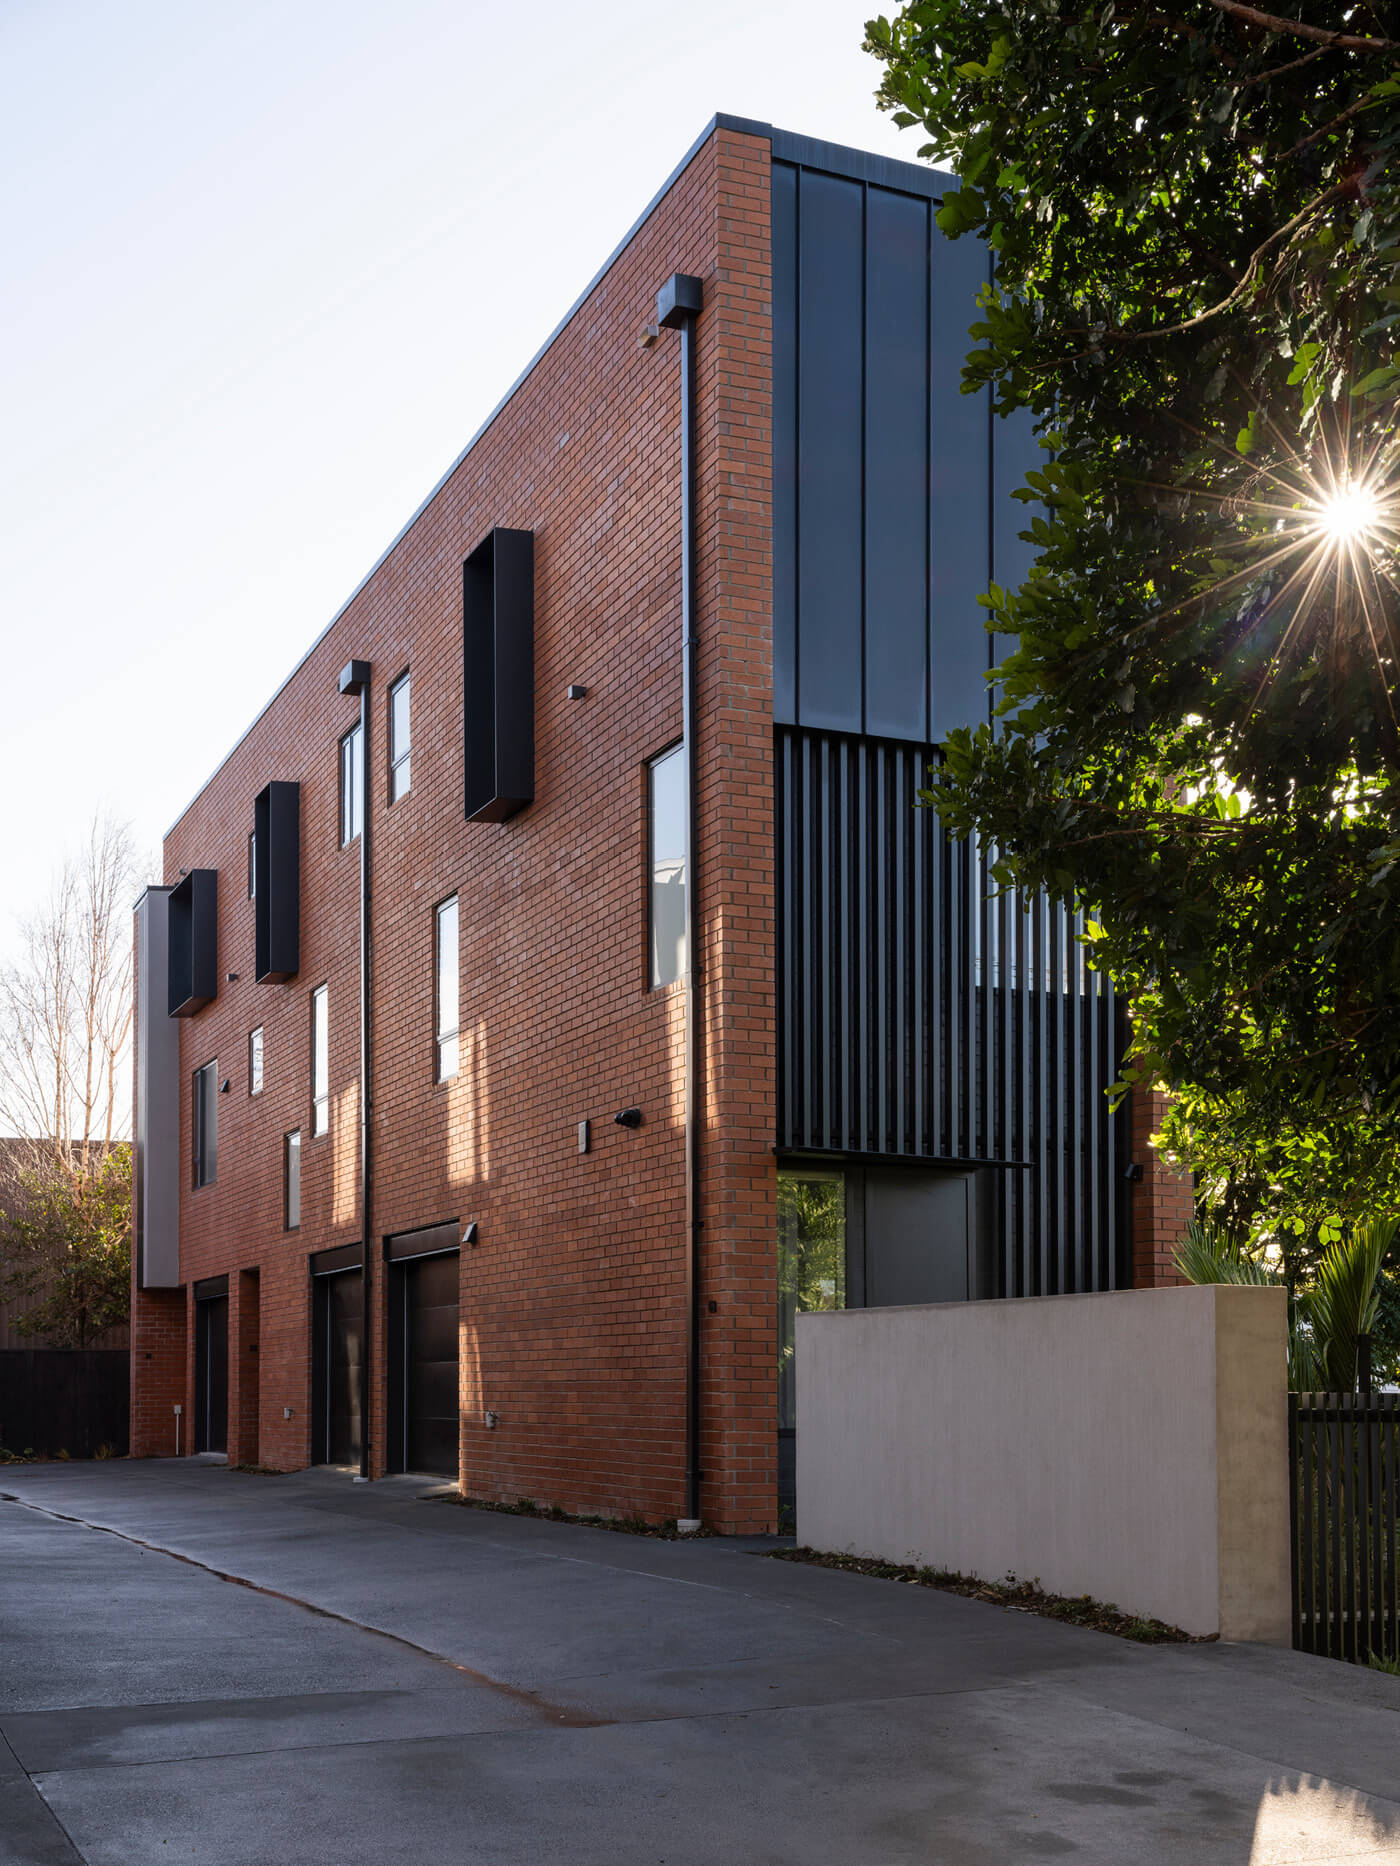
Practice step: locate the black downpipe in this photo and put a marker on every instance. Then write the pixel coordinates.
(677, 306)
(366, 1111)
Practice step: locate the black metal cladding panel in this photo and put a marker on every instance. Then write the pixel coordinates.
(924, 1015)
(277, 882)
(194, 942)
(498, 676)
(884, 491)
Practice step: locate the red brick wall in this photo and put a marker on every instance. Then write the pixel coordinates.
(158, 1373)
(1163, 1201)
(572, 1316)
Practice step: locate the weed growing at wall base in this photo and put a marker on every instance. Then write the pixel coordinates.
(1020, 1596)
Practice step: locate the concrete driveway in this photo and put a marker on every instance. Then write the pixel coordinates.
(405, 1680)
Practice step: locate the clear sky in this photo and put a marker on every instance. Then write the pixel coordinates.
(263, 270)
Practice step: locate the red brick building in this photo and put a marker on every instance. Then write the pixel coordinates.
(896, 1085)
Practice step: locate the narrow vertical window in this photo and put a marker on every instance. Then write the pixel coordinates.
(666, 865)
(291, 1179)
(400, 739)
(204, 1124)
(320, 1063)
(252, 865)
(255, 1055)
(447, 988)
(352, 785)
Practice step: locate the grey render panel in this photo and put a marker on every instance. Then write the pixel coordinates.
(891, 489)
(156, 1201)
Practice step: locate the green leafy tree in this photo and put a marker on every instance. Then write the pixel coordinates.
(1196, 228)
(1327, 1319)
(65, 1249)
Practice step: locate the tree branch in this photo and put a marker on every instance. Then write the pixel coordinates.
(1336, 41)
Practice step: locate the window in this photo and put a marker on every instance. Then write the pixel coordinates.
(352, 785)
(291, 1180)
(255, 1053)
(666, 865)
(253, 865)
(399, 739)
(447, 988)
(811, 1264)
(204, 1124)
(320, 1064)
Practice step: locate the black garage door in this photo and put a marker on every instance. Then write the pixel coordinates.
(338, 1319)
(424, 1350)
(211, 1368)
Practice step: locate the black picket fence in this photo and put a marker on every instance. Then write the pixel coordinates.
(1344, 1456)
(73, 1400)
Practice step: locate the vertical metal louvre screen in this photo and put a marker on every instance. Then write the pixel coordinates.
(1344, 1457)
(922, 1014)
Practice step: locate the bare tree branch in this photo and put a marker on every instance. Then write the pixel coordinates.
(66, 1006)
(1271, 22)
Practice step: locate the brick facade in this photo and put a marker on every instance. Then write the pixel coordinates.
(572, 1302)
(1163, 1201)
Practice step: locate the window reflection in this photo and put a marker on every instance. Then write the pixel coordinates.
(811, 1264)
(666, 866)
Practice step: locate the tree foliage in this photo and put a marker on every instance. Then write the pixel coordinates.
(1196, 236)
(1328, 1317)
(65, 1248)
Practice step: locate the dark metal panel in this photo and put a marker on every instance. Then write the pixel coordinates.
(332, 1262)
(425, 1243)
(498, 676)
(193, 932)
(959, 495)
(784, 262)
(831, 217)
(896, 465)
(1015, 452)
(277, 882)
(211, 1373)
(923, 1015)
(860, 164)
(209, 1287)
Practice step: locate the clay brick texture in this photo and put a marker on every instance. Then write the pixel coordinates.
(572, 1316)
(1163, 1200)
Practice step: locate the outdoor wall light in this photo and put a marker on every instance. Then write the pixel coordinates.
(1132, 1172)
(470, 1234)
(628, 1117)
(578, 693)
(230, 978)
(226, 1085)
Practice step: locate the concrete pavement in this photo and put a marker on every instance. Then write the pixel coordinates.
(400, 1679)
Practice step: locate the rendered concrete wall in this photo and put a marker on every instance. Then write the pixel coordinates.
(156, 1192)
(1131, 1446)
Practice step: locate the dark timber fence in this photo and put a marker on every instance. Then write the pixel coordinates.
(1344, 1452)
(65, 1399)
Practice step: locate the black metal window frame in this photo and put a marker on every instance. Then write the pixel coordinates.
(676, 749)
(443, 1036)
(400, 756)
(256, 1047)
(351, 786)
(204, 1125)
(320, 1078)
(291, 1180)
